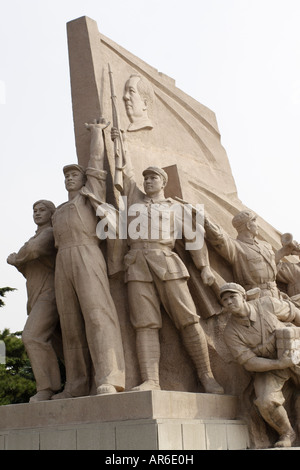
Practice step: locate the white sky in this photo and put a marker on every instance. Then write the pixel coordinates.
(240, 58)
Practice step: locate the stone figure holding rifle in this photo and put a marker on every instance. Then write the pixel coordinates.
(155, 275)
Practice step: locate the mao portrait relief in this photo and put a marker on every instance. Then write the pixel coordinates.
(138, 98)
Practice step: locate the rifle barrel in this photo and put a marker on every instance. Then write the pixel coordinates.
(118, 145)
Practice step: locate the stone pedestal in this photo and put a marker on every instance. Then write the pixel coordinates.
(153, 420)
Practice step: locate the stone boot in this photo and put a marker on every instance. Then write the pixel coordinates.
(286, 440)
(148, 351)
(277, 418)
(195, 342)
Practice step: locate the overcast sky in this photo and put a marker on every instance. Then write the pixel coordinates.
(240, 58)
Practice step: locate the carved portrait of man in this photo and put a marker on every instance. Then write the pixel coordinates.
(138, 97)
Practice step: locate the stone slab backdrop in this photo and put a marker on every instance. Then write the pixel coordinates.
(182, 136)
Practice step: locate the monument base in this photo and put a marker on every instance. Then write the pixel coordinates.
(151, 420)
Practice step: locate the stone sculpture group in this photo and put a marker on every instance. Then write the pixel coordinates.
(71, 312)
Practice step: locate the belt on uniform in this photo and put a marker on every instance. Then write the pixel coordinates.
(149, 246)
(265, 285)
(84, 242)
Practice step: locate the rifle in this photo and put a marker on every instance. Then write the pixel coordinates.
(194, 210)
(118, 141)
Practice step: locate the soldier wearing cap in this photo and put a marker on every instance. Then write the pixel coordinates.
(89, 321)
(155, 274)
(252, 260)
(250, 337)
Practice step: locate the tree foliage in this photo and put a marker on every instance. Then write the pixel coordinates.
(3, 291)
(17, 382)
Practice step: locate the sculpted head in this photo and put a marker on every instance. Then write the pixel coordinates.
(74, 177)
(155, 180)
(233, 298)
(138, 97)
(42, 212)
(246, 221)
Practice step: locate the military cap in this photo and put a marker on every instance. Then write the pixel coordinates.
(157, 170)
(73, 166)
(232, 287)
(242, 218)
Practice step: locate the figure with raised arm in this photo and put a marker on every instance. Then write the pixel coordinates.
(89, 320)
(252, 260)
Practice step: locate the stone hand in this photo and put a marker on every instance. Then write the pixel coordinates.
(286, 360)
(101, 123)
(207, 276)
(85, 192)
(12, 259)
(114, 133)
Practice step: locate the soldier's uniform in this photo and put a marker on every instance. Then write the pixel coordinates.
(289, 273)
(254, 336)
(155, 274)
(253, 261)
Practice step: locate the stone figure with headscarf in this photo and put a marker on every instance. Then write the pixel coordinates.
(36, 261)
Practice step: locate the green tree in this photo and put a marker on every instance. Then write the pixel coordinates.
(17, 382)
(3, 291)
